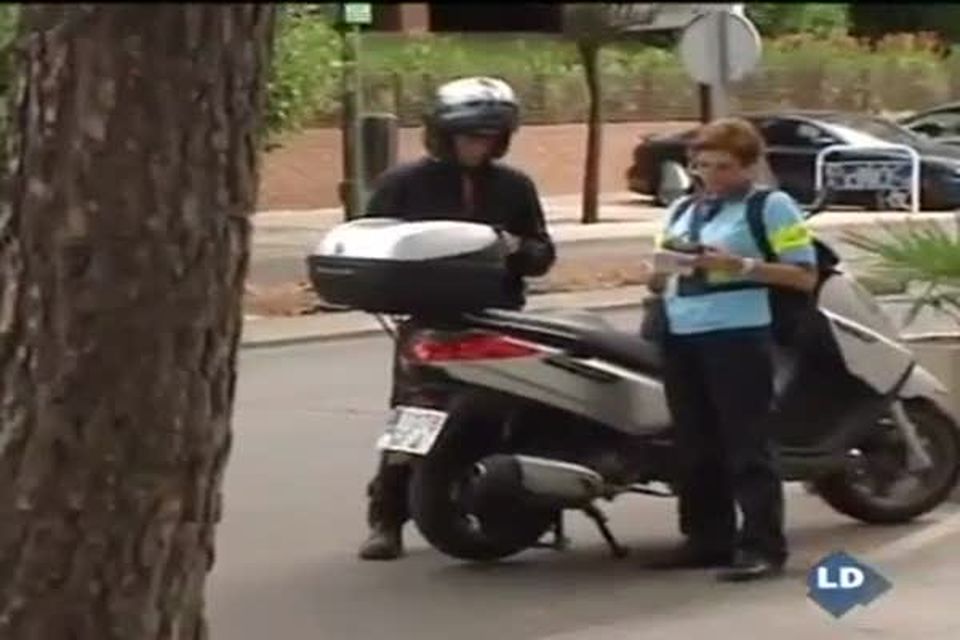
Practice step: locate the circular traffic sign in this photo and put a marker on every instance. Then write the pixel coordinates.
(701, 49)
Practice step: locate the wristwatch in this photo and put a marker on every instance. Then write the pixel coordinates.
(748, 266)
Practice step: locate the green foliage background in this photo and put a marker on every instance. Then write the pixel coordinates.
(809, 61)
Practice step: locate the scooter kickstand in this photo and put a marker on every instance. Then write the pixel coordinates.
(560, 541)
(598, 517)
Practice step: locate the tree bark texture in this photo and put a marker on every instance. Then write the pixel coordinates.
(124, 243)
(590, 58)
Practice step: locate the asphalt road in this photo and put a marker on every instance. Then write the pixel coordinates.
(307, 418)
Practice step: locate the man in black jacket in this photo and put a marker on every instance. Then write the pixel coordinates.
(467, 130)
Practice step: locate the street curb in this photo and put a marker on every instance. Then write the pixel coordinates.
(366, 332)
(640, 233)
(270, 343)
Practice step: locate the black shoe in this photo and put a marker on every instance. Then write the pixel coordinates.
(690, 556)
(748, 567)
(384, 543)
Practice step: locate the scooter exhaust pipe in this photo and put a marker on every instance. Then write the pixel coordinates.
(540, 482)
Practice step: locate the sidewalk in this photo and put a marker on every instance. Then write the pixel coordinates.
(622, 215)
(283, 331)
(282, 239)
(615, 205)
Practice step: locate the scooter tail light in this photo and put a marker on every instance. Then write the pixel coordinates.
(476, 347)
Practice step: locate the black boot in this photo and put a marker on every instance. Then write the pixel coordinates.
(751, 566)
(386, 512)
(384, 543)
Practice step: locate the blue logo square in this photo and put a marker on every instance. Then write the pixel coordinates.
(840, 582)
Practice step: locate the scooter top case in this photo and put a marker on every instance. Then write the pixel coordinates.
(385, 265)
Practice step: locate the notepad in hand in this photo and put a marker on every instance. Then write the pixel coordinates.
(673, 262)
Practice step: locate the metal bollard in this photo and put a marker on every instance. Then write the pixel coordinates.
(379, 133)
(380, 136)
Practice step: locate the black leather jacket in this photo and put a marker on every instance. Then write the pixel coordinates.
(503, 197)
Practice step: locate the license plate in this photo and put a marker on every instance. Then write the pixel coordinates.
(412, 430)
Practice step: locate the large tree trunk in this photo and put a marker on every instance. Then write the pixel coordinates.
(590, 58)
(122, 259)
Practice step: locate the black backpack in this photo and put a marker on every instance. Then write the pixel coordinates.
(789, 308)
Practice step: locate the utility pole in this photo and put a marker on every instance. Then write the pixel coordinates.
(353, 15)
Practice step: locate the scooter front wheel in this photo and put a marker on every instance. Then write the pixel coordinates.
(437, 504)
(878, 488)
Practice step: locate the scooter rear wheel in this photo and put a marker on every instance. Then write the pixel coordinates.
(857, 492)
(473, 431)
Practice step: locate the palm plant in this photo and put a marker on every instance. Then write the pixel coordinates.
(925, 255)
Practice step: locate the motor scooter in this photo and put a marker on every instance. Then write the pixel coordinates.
(515, 418)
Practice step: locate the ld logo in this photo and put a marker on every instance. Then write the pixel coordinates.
(839, 582)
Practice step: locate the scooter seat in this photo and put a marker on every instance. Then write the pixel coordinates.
(581, 337)
(624, 349)
(569, 324)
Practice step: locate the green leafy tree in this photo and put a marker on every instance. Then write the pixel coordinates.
(877, 20)
(9, 18)
(305, 79)
(778, 18)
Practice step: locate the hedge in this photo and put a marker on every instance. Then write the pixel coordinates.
(902, 73)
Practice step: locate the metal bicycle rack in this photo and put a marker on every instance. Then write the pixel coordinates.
(873, 175)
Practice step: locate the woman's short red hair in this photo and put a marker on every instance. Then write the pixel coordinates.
(736, 136)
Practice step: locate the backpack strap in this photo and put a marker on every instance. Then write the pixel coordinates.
(756, 205)
(682, 206)
(680, 209)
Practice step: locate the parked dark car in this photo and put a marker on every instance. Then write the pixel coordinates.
(793, 140)
(941, 124)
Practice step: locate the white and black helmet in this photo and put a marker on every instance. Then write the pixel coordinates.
(471, 105)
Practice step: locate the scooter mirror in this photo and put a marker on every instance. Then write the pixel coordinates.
(675, 182)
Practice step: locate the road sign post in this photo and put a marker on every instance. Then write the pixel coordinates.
(357, 13)
(717, 48)
(353, 16)
(721, 89)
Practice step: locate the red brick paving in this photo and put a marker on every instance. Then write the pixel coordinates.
(304, 173)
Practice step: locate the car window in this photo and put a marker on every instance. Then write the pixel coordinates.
(877, 127)
(778, 133)
(794, 133)
(814, 136)
(942, 124)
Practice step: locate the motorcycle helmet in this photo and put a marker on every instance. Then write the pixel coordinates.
(477, 105)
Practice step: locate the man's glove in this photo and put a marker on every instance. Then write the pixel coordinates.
(512, 241)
